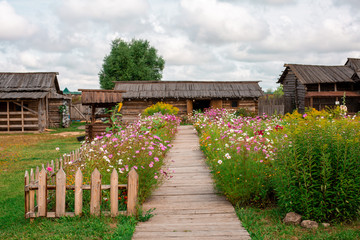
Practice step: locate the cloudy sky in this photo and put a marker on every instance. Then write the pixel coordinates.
(199, 39)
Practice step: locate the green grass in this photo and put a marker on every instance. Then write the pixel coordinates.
(266, 224)
(20, 152)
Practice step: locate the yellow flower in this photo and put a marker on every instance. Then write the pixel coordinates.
(120, 106)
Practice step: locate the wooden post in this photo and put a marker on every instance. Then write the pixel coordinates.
(42, 193)
(32, 192)
(114, 193)
(132, 191)
(27, 200)
(95, 201)
(189, 106)
(22, 116)
(8, 115)
(60, 193)
(78, 192)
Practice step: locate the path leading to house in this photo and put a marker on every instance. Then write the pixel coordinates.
(187, 206)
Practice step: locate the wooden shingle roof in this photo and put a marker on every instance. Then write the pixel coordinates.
(189, 89)
(100, 97)
(312, 74)
(36, 81)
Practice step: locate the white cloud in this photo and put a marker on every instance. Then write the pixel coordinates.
(213, 21)
(103, 9)
(12, 25)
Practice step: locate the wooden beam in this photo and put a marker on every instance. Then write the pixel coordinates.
(8, 115)
(30, 110)
(189, 106)
(22, 116)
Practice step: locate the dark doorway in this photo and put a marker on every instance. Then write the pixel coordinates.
(201, 105)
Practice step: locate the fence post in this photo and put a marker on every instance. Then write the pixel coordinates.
(114, 193)
(32, 192)
(42, 192)
(95, 201)
(60, 193)
(78, 192)
(26, 183)
(132, 191)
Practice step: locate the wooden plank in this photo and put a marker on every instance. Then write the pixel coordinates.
(95, 200)
(30, 110)
(32, 192)
(114, 193)
(60, 193)
(27, 199)
(42, 194)
(133, 185)
(189, 106)
(22, 116)
(78, 192)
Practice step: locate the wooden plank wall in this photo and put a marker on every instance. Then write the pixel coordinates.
(132, 109)
(80, 112)
(289, 87)
(250, 104)
(54, 116)
(19, 116)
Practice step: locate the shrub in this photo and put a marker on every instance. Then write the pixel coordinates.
(317, 167)
(162, 108)
(243, 112)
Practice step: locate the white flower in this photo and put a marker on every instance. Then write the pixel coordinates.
(227, 155)
(219, 162)
(57, 149)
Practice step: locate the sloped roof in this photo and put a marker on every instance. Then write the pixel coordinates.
(353, 63)
(189, 89)
(27, 95)
(311, 74)
(36, 81)
(100, 97)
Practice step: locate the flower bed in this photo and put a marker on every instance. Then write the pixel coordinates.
(141, 146)
(308, 163)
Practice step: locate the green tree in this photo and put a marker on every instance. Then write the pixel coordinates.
(130, 61)
(279, 91)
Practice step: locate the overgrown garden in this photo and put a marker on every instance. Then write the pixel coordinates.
(305, 163)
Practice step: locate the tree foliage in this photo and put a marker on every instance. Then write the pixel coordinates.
(129, 61)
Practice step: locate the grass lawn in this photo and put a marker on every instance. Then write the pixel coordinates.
(267, 224)
(20, 152)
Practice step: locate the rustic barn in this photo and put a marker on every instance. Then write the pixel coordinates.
(321, 86)
(188, 95)
(31, 101)
(99, 99)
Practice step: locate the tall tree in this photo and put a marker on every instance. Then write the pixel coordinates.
(130, 61)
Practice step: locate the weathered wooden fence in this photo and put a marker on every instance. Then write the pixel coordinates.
(37, 185)
(271, 105)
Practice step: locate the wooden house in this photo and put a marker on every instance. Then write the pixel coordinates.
(321, 86)
(188, 95)
(30, 101)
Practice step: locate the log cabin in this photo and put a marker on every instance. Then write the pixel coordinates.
(188, 95)
(30, 101)
(319, 86)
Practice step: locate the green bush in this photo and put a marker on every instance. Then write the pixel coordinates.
(243, 112)
(160, 107)
(318, 168)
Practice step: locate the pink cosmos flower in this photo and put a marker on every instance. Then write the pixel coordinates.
(156, 159)
(150, 153)
(156, 177)
(49, 169)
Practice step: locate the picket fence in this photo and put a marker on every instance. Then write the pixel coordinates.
(37, 185)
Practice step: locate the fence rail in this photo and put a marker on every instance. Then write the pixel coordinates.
(38, 183)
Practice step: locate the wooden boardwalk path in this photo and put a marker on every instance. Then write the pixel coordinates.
(187, 206)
